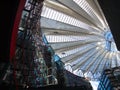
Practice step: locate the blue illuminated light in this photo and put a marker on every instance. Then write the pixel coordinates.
(110, 44)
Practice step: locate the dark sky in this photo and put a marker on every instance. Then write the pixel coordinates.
(111, 9)
(7, 16)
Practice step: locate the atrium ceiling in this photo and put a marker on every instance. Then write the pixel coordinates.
(83, 38)
(78, 32)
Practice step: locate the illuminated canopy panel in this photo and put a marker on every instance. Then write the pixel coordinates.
(79, 34)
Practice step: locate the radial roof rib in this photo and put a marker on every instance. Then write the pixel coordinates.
(70, 33)
(84, 66)
(110, 58)
(69, 51)
(97, 11)
(73, 51)
(108, 63)
(97, 61)
(94, 59)
(66, 32)
(94, 5)
(55, 25)
(113, 61)
(100, 10)
(102, 63)
(74, 62)
(83, 10)
(80, 60)
(61, 17)
(82, 50)
(67, 38)
(76, 47)
(78, 55)
(86, 59)
(62, 8)
(61, 45)
(63, 38)
(118, 59)
(49, 31)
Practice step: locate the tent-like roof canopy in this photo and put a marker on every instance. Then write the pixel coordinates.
(79, 34)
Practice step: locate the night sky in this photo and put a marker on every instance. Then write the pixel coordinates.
(111, 9)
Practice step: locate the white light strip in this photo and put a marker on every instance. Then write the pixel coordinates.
(61, 17)
(63, 38)
(85, 6)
